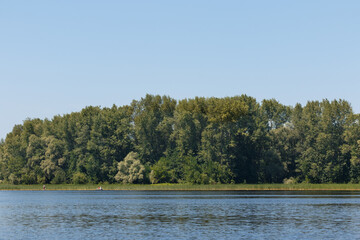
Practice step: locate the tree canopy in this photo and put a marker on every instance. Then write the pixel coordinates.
(158, 139)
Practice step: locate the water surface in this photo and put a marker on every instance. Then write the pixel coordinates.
(179, 215)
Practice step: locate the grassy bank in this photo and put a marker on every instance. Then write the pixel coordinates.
(186, 187)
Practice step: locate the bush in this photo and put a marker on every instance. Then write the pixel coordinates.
(28, 178)
(13, 179)
(289, 180)
(59, 177)
(130, 170)
(79, 178)
(160, 173)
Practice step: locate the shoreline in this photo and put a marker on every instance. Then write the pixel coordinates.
(183, 187)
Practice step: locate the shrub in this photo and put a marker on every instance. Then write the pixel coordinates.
(79, 178)
(289, 180)
(59, 177)
(130, 170)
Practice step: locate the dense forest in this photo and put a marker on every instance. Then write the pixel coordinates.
(158, 139)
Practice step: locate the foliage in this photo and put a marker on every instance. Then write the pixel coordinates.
(201, 140)
(130, 170)
(79, 178)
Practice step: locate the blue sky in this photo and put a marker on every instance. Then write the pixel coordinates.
(57, 57)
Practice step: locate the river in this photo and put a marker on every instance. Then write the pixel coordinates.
(179, 215)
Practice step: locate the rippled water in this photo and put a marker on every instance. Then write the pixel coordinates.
(179, 215)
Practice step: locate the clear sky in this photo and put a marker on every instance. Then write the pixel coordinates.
(57, 57)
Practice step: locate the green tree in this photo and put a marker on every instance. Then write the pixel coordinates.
(351, 147)
(321, 130)
(153, 126)
(275, 113)
(199, 140)
(130, 170)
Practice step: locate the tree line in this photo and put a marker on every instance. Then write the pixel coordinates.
(158, 139)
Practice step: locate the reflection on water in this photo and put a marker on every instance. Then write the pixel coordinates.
(179, 215)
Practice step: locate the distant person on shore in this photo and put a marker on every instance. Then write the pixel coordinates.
(44, 188)
(100, 188)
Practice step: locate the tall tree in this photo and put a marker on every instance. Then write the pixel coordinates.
(153, 126)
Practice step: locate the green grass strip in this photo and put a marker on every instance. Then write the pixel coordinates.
(187, 187)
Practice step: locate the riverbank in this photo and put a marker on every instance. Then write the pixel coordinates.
(188, 187)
